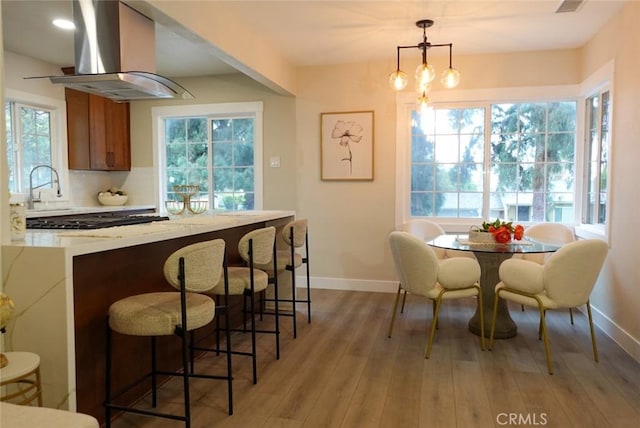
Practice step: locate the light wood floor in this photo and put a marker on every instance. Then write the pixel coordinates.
(343, 371)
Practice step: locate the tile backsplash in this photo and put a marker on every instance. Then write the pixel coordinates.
(138, 183)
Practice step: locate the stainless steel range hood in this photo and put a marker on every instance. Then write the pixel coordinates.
(115, 54)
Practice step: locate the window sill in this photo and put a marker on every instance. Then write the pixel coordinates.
(589, 231)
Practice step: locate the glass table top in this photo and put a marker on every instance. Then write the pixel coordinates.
(462, 243)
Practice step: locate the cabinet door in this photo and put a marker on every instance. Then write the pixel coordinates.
(78, 129)
(98, 133)
(117, 136)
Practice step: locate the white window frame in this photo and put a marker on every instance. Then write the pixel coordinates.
(254, 108)
(59, 150)
(600, 81)
(406, 102)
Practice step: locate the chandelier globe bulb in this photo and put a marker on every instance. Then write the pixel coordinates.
(450, 78)
(398, 80)
(425, 73)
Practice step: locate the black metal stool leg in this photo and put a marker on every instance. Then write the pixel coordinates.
(253, 340)
(108, 379)
(306, 261)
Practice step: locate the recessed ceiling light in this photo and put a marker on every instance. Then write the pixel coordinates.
(65, 24)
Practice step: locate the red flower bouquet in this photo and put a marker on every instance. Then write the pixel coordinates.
(502, 231)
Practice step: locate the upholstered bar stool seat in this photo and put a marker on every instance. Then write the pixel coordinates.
(157, 314)
(240, 281)
(192, 270)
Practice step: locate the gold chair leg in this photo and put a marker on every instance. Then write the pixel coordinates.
(404, 300)
(395, 308)
(540, 326)
(545, 336)
(481, 318)
(571, 315)
(493, 319)
(433, 313)
(593, 333)
(433, 325)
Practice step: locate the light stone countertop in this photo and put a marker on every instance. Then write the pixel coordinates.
(76, 242)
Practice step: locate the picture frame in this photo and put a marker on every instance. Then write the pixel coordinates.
(346, 140)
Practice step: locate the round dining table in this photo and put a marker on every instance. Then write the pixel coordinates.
(490, 256)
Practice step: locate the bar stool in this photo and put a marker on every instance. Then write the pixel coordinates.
(191, 269)
(295, 235)
(21, 377)
(255, 247)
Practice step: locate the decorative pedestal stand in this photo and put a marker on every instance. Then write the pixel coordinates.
(21, 378)
(186, 206)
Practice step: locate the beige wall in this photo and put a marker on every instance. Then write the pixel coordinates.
(617, 296)
(17, 67)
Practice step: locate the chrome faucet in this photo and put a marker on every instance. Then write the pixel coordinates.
(31, 199)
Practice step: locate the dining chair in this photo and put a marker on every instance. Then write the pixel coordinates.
(192, 270)
(425, 229)
(429, 230)
(421, 273)
(564, 281)
(548, 233)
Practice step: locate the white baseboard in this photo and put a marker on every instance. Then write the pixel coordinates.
(610, 328)
(617, 333)
(349, 284)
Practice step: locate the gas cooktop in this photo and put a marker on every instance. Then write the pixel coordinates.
(90, 221)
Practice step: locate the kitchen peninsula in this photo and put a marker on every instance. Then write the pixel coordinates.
(63, 282)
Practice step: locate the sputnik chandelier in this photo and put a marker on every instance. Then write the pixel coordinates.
(425, 73)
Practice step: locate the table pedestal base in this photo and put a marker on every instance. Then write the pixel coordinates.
(505, 327)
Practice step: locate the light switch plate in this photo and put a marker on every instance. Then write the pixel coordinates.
(275, 161)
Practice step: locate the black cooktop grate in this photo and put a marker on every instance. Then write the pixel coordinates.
(90, 221)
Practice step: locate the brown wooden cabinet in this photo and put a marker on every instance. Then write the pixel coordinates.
(98, 132)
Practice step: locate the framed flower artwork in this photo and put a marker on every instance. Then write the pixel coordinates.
(347, 145)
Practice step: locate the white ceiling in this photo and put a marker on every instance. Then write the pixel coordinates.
(335, 32)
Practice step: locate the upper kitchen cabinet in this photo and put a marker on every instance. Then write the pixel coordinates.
(98, 132)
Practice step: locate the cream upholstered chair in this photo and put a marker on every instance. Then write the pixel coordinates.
(192, 270)
(549, 233)
(19, 416)
(255, 247)
(295, 235)
(564, 281)
(423, 274)
(427, 230)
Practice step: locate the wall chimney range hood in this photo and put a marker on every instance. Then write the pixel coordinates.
(115, 54)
